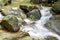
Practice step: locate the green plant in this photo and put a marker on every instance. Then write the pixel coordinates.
(32, 17)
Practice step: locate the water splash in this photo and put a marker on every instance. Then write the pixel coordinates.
(37, 28)
(1, 16)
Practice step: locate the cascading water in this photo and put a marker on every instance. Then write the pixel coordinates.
(37, 28)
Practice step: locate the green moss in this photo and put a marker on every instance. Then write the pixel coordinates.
(32, 17)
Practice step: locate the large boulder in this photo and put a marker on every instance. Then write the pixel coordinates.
(56, 8)
(14, 11)
(10, 22)
(14, 36)
(34, 14)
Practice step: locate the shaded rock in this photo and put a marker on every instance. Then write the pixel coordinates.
(56, 8)
(36, 1)
(24, 8)
(43, 1)
(51, 1)
(30, 8)
(11, 23)
(27, 8)
(34, 14)
(1, 27)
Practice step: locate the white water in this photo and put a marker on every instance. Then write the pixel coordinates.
(1, 16)
(38, 29)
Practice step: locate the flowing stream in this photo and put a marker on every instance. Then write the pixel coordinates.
(37, 28)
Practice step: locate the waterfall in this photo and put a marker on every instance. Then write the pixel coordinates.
(37, 28)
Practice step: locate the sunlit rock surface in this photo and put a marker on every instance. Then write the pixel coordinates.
(13, 11)
(4, 35)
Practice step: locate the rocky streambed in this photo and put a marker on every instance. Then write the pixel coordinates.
(30, 23)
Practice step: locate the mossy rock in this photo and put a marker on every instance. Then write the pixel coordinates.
(14, 11)
(34, 14)
(11, 23)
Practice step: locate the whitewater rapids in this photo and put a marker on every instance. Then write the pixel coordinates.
(37, 28)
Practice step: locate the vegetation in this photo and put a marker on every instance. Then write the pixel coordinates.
(32, 17)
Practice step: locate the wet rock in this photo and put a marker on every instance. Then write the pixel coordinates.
(34, 14)
(56, 8)
(10, 22)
